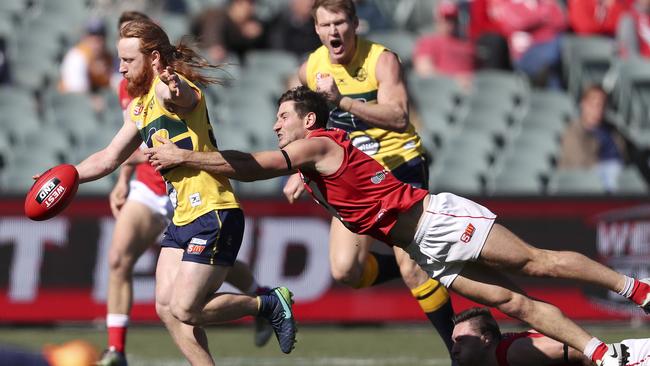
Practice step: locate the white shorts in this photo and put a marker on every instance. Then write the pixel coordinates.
(159, 204)
(451, 232)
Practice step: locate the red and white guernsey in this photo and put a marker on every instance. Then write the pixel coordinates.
(365, 196)
(144, 172)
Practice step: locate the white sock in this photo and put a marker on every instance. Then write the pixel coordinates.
(627, 288)
(117, 320)
(591, 346)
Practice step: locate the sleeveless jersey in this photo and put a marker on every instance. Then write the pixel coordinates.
(192, 192)
(357, 80)
(144, 172)
(509, 338)
(364, 195)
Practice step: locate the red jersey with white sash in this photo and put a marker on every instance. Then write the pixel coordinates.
(144, 172)
(365, 196)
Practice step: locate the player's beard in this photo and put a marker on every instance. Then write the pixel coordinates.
(140, 84)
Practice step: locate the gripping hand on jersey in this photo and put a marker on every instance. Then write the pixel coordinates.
(165, 155)
(326, 85)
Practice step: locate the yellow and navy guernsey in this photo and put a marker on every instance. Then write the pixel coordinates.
(193, 192)
(357, 80)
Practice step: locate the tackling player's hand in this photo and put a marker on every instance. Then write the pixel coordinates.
(117, 198)
(325, 84)
(169, 77)
(165, 155)
(293, 188)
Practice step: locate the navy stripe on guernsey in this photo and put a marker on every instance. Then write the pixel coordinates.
(347, 121)
(213, 238)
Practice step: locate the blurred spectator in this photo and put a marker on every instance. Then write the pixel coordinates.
(444, 52)
(72, 353)
(4, 62)
(491, 46)
(371, 19)
(293, 30)
(593, 142)
(533, 28)
(596, 17)
(633, 32)
(88, 66)
(235, 29)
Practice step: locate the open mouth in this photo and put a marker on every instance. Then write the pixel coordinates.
(337, 45)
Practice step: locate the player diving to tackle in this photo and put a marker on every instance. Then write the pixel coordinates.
(453, 239)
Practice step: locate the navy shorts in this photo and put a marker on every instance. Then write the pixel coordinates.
(414, 172)
(213, 238)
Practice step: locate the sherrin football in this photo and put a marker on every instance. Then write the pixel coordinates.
(52, 192)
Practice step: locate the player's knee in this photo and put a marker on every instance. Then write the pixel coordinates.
(515, 305)
(543, 263)
(346, 277)
(120, 262)
(184, 314)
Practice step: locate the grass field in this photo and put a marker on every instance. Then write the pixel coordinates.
(317, 345)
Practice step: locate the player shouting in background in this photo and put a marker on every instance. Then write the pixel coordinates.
(453, 239)
(478, 341)
(364, 84)
(201, 244)
(143, 210)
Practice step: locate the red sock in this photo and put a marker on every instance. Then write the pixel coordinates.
(599, 353)
(639, 292)
(117, 338)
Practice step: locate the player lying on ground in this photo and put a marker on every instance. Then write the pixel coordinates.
(455, 240)
(478, 341)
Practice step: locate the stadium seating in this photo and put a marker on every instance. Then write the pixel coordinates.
(509, 132)
(585, 60)
(576, 182)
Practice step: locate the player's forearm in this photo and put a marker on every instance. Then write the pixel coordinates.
(388, 117)
(126, 172)
(96, 166)
(186, 97)
(230, 163)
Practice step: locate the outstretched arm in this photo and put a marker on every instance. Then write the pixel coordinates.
(107, 160)
(242, 165)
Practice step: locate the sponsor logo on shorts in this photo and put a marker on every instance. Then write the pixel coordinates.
(467, 235)
(50, 193)
(195, 199)
(381, 214)
(378, 177)
(197, 246)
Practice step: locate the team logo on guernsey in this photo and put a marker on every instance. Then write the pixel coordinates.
(361, 74)
(378, 177)
(366, 144)
(467, 235)
(137, 109)
(197, 246)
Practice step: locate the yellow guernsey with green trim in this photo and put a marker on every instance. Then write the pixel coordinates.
(193, 192)
(357, 80)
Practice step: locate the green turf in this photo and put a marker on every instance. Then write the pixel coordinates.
(326, 346)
